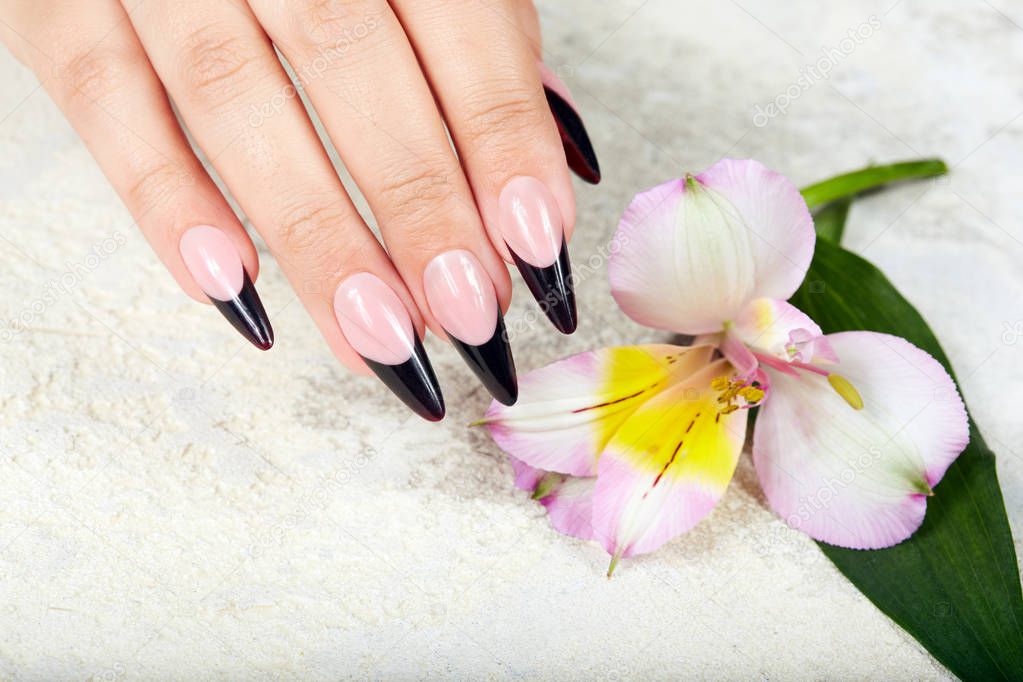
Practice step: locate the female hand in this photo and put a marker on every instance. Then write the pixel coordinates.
(388, 80)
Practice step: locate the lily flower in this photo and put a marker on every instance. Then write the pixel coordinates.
(633, 446)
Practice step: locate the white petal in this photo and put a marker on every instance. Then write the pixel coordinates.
(777, 222)
(683, 260)
(691, 253)
(859, 478)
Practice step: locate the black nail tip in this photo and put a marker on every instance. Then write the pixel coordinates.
(414, 382)
(574, 138)
(552, 288)
(493, 364)
(246, 314)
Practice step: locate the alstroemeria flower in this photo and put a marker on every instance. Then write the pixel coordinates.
(633, 446)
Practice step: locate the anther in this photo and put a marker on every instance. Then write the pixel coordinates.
(844, 388)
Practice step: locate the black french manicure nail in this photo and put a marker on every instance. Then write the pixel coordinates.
(378, 326)
(531, 224)
(214, 262)
(574, 138)
(552, 288)
(414, 382)
(246, 314)
(492, 363)
(464, 301)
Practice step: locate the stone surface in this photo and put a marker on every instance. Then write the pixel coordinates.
(174, 503)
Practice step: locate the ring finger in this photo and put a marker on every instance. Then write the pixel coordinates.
(483, 67)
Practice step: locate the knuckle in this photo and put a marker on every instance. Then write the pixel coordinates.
(513, 115)
(154, 184)
(420, 238)
(333, 22)
(417, 194)
(89, 78)
(323, 34)
(215, 65)
(308, 229)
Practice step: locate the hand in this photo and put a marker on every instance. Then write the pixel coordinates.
(385, 79)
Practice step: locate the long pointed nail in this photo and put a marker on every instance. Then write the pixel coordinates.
(377, 325)
(463, 300)
(214, 263)
(532, 227)
(574, 138)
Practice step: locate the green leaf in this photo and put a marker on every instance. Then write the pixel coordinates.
(829, 221)
(954, 585)
(867, 179)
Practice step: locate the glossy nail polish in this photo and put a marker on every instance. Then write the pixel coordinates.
(463, 300)
(532, 227)
(377, 325)
(574, 138)
(215, 264)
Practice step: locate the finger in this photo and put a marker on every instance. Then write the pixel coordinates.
(220, 68)
(575, 140)
(486, 79)
(529, 24)
(92, 64)
(362, 77)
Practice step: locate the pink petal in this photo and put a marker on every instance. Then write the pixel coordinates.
(859, 478)
(736, 352)
(709, 245)
(567, 499)
(782, 330)
(667, 466)
(570, 507)
(526, 477)
(812, 348)
(568, 410)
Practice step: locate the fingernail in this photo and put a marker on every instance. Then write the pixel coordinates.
(531, 224)
(463, 300)
(378, 327)
(574, 138)
(216, 266)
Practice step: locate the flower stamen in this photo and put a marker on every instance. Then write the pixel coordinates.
(839, 383)
(736, 393)
(846, 390)
(752, 394)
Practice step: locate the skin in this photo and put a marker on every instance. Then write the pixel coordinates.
(388, 79)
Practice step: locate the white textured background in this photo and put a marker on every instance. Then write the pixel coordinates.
(174, 503)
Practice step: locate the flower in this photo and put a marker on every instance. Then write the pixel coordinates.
(633, 446)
